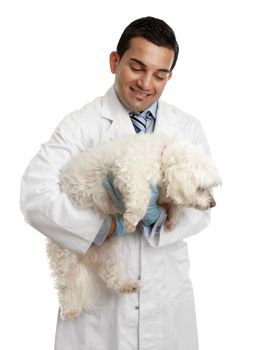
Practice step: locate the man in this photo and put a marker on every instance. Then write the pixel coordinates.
(162, 315)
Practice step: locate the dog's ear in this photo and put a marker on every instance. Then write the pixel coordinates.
(176, 179)
(179, 183)
(206, 172)
(168, 156)
(185, 168)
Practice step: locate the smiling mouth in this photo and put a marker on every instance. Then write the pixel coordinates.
(139, 93)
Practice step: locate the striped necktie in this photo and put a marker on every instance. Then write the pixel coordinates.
(139, 121)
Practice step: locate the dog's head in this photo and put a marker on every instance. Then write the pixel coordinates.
(188, 177)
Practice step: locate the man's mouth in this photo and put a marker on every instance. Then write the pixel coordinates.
(139, 93)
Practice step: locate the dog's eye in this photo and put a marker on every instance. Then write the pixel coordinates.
(200, 190)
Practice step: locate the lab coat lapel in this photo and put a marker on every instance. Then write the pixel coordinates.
(113, 110)
(121, 124)
(166, 122)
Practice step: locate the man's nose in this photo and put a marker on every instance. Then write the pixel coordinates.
(145, 82)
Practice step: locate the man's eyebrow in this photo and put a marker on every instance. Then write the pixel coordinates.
(144, 65)
(138, 61)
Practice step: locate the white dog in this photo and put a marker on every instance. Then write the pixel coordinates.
(184, 175)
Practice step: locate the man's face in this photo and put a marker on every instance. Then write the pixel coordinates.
(142, 73)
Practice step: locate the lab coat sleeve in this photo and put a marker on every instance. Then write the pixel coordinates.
(193, 221)
(44, 205)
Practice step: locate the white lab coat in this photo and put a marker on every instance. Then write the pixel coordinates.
(162, 315)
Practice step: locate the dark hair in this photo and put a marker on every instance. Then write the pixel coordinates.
(154, 30)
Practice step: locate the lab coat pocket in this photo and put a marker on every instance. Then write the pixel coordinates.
(179, 286)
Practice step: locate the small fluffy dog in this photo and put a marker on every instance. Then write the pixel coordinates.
(185, 177)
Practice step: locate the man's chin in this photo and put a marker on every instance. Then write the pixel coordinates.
(138, 105)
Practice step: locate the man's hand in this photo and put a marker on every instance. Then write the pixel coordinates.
(115, 194)
(153, 211)
(117, 227)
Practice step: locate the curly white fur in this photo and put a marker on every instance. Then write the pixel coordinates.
(184, 175)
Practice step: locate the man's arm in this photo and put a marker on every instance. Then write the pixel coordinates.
(43, 204)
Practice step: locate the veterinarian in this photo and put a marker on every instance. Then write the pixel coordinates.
(162, 315)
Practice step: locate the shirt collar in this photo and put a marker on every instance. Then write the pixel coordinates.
(153, 109)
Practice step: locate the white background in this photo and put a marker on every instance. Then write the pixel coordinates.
(54, 59)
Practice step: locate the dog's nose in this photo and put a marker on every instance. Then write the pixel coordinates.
(212, 203)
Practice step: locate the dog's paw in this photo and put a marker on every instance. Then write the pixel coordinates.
(129, 228)
(169, 225)
(70, 314)
(127, 286)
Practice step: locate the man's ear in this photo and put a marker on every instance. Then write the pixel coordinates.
(114, 61)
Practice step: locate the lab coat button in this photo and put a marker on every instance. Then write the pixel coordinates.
(137, 307)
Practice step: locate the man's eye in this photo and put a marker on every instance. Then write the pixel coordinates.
(137, 69)
(161, 77)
